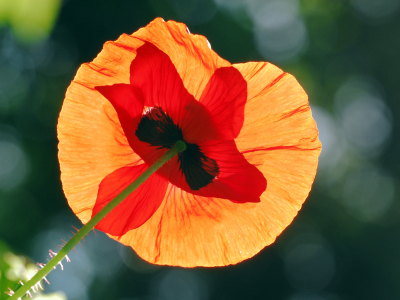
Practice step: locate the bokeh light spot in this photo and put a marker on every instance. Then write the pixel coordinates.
(376, 10)
(280, 33)
(310, 266)
(368, 193)
(13, 165)
(366, 120)
(181, 284)
(333, 160)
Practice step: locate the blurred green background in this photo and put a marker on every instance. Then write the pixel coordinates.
(345, 242)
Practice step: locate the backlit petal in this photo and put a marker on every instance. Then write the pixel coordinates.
(92, 142)
(280, 138)
(237, 181)
(88, 119)
(155, 80)
(225, 97)
(218, 116)
(190, 53)
(189, 230)
(221, 113)
(137, 208)
(279, 134)
(127, 105)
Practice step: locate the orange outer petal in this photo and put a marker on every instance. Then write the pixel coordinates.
(190, 231)
(190, 53)
(92, 143)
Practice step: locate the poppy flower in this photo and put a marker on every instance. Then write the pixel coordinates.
(251, 157)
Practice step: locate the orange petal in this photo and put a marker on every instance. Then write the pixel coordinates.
(279, 134)
(137, 208)
(189, 230)
(280, 137)
(190, 53)
(92, 143)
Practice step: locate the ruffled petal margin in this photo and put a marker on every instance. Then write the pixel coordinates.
(155, 80)
(219, 113)
(92, 142)
(128, 106)
(88, 119)
(190, 53)
(278, 137)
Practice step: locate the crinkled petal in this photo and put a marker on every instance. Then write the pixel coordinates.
(190, 53)
(155, 80)
(237, 181)
(92, 142)
(123, 98)
(127, 105)
(279, 134)
(88, 120)
(218, 116)
(221, 113)
(190, 230)
(280, 138)
(137, 208)
(224, 98)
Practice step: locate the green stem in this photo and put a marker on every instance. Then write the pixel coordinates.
(179, 147)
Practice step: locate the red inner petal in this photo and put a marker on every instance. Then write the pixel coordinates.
(238, 180)
(154, 76)
(128, 105)
(155, 82)
(224, 98)
(137, 208)
(218, 115)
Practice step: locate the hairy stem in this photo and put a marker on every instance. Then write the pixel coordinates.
(179, 147)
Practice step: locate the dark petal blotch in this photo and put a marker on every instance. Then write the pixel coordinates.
(159, 130)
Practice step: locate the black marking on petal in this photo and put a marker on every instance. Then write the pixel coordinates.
(158, 129)
(199, 170)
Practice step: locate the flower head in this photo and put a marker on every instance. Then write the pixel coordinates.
(244, 125)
